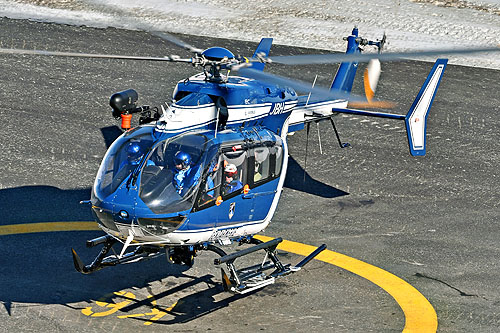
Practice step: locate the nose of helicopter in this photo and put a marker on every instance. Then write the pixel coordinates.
(111, 218)
(104, 217)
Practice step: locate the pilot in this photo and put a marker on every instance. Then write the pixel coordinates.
(231, 181)
(184, 175)
(134, 155)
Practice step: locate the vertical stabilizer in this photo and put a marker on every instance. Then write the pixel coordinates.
(344, 78)
(262, 50)
(416, 118)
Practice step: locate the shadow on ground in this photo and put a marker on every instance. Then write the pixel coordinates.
(298, 179)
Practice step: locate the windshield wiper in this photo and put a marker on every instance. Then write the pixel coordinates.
(135, 174)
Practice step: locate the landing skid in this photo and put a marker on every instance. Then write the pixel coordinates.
(101, 261)
(254, 277)
(239, 281)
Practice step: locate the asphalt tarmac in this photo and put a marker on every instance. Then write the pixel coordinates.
(431, 221)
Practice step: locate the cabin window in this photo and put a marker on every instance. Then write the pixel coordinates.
(262, 164)
(225, 176)
(278, 153)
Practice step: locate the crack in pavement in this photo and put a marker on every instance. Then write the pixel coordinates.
(447, 284)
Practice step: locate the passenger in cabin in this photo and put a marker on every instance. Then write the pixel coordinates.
(231, 181)
(261, 164)
(185, 175)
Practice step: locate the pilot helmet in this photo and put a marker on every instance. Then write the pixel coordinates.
(182, 158)
(133, 151)
(230, 170)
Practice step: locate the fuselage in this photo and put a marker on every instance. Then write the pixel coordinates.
(139, 196)
(217, 121)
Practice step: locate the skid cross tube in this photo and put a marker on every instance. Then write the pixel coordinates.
(270, 246)
(311, 256)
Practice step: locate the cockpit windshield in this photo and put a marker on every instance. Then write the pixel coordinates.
(172, 174)
(121, 159)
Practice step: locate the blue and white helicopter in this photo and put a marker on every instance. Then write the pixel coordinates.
(208, 170)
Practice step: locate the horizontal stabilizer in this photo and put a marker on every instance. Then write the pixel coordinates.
(369, 113)
(416, 119)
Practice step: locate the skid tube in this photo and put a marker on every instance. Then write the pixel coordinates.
(254, 277)
(102, 261)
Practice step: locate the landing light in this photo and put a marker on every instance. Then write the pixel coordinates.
(123, 214)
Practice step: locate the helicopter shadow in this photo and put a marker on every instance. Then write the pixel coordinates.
(38, 267)
(298, 179)
(110, 134)
(192, 306)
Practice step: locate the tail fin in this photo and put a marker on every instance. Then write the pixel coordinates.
(262, 50)
(344, 78)
(416, 118)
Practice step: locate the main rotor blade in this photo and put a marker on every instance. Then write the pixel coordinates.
(365, 57)
(92, 55)
(295, 84)
(176, 41)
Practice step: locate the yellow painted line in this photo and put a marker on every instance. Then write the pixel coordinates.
(27, 228)
(420, 316)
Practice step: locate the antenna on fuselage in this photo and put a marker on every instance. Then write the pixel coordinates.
(307, 146)
(216, 124)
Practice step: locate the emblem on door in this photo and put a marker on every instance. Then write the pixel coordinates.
(231, 209)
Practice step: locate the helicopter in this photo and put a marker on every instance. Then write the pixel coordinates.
(208, 170)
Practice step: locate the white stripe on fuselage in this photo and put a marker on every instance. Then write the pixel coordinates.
(323, 108)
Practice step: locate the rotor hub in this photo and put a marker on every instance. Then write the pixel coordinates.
(217, 53)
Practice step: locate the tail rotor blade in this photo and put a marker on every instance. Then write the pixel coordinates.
(371, 77)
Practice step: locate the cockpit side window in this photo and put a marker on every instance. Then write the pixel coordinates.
(211, 185)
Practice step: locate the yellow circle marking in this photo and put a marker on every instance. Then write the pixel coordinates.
(420, 316)
(27, 228)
